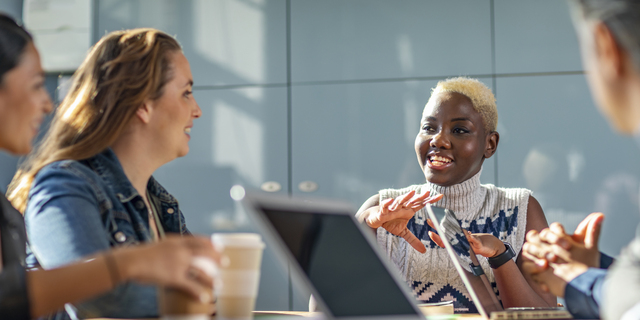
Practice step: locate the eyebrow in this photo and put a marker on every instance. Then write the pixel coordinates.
(189, 83)
(452, 120)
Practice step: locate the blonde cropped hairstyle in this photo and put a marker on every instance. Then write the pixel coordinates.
(480, 95)
(121, 71)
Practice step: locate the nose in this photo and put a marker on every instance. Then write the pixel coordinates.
(197, 112)
(440, 141)
(47, 105)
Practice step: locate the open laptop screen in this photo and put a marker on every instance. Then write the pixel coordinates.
(340, 263)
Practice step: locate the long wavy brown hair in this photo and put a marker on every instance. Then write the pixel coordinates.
(121, 71)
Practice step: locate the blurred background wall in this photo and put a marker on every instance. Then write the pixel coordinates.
(323, 98)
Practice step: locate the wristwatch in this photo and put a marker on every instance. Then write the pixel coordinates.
(502, 258)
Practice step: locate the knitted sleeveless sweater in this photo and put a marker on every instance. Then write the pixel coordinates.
(481, 208)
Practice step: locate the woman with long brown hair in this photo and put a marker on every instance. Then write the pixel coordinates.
(34, 293)
(88, 185)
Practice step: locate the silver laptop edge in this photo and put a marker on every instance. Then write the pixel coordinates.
(456, 263)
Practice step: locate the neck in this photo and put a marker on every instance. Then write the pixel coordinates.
(136, 160)
(463, 198)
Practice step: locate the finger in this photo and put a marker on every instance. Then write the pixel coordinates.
(593, 230)
(533, 236)
(402, 200)
(473, 241)
(539, 251)
(430, 223)
(436, 238)
(541, 263)
(394, 205)
(434, 199)
(581, 229)
(557, 228)
(532, 268)
(418, 201)
(419, 198)
(413, 240)
(384, 205)
(553, 235)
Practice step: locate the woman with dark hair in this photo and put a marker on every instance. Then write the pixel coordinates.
(34, 293)
(571, 265)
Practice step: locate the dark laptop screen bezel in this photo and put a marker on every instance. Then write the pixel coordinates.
(260, 204)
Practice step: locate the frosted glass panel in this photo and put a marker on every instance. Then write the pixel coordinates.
(226, 41)
(361, 39)
(557, 144)
(535, 36)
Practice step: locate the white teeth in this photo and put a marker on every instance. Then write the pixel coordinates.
(187, 130)
(440, 159)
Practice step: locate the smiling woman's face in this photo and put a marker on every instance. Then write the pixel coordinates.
(451, 144)
(24, 101)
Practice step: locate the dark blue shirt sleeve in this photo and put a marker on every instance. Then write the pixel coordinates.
(605, 261)
(583, 295)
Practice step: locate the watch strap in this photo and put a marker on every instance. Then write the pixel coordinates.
(476, 270)
(499, 260)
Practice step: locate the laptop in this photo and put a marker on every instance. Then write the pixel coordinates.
(334, 257)
(476, 282)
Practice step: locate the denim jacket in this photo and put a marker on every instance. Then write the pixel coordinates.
(79, 208)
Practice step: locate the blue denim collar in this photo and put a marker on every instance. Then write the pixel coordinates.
(107, 165)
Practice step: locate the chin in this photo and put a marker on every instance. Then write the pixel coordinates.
(19, 150)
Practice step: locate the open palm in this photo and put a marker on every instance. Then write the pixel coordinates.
(394, 214)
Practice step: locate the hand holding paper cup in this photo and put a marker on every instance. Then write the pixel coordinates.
(236, 282)
(178, 305)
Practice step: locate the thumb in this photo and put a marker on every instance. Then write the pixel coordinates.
(593, 230)
(581, 230)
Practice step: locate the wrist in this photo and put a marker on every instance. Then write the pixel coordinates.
(123, 264)
(502, 258)
(501, 249)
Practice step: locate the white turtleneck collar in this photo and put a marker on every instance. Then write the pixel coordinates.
(464, 198)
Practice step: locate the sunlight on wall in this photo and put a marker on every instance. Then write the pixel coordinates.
(237, 142)
(235, 43)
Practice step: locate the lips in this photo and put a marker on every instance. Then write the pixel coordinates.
(438, 161)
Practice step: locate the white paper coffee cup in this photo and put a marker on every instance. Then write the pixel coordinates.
(236, 285)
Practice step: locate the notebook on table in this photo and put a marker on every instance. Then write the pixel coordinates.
(334, 257)
(476, 282)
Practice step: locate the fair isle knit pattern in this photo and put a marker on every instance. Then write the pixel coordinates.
(481, 208)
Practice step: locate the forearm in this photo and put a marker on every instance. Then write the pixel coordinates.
(515, 290)
(49, 290)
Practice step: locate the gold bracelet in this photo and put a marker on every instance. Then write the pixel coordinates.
(113, 268)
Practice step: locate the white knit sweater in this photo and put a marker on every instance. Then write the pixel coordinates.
(480, 209)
